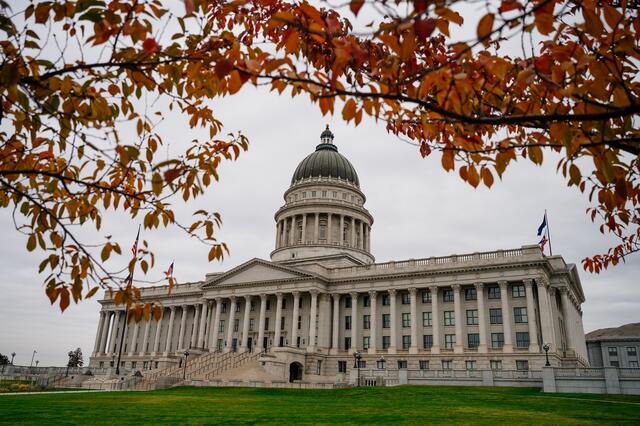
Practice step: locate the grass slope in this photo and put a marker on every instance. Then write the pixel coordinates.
(406, 404)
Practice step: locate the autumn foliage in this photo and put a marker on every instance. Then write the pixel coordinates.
(77, 138)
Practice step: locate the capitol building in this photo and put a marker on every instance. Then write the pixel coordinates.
(321, 297)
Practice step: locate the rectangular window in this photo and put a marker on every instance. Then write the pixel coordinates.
(313, 193)
(631, 351)
(493, 292)
(224, 308)
(447, 364)
(406, 342)
(362, 363)
(613, 351)
(236, 324)
(366, 322)
(470, 365)
(495, 364)
(633, 364)
(347, 302)
(473, 340)
(300, 302)
(365, 342)
(402, 364)
(253, 305)
(218, 347)
(282, 326)
(342, 366)
(318, 367)
(497, 340)
(268, 305)
(381, 364)
(522, 365)
(449, 341)
(522, 339)
(347, 322)
(520, 315)
(347, 343)
(266, 324)
(426, 319)
(237, 307)
(426, 296)
(335, 194)
(284, 303)
(447, 295)
(386, 320)
(252, 323)
(386, 300)
(221, 326)
(366, 301)
(472, 317)
(386, 342)
(470, 293)
(424, 364)
(449, 318)
(406, 320)
(324, 193)
(133, 364)
(495, 316)
(406, 298)
(427, 341)
(299, 322)
(517, 290)
(614, 363)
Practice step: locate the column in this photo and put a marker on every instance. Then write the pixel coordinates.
(324, 321)
(329, 217)
(134, 338)
(361, 242)
(278, 332)
(105, 332)
(244, 346)
(114, 331)
(341, 236)
(457, 312)
(193, 341)
(482, 318)
(568, 319)
(291, 229)
(277, 234)
(368, 231)
(313, 318)
(209, 326)
(353, 232)
(506, 316)
(156, 341)
(263, 312)
(203, 324)
(413, 349)
(96, 344)
(214, 328)
(145, 337)
(303, 237)
(435, 319)
(167, 346)
(555, 339)
(294, 323)
(373, 322)
(232, 314)
(355, 344)
(531, 316)
(181, 331)
(316, 227)
(335, 333)
(392, 312)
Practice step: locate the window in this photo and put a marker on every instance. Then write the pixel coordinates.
(366, 322)
(284, 303)
(252, 323)
(406, 342)
(470, 365)
(447, 364)
(402, 364)
(347, 343)
(449, 341)
(342, 366)
(386, 300)
(236, 324)
(424, 364)
(614, 363)
(472, 317)
(347, 302)
(237, 307)
(470, 293)
(386, 342)
(221, 326)
(300, 302)
(365, 342)
(266, 323)
(495, 364)
(381, 364)
(520, 315)
(406, 320)
(449, 318)
(406, 298)
(631, 351)
(427, 341)
(344, 196)
(366, 301)
(335, 194)
(473, 340)
(218, 348)
(633, 364)
(313, 193)
(517, 290)
(522, 365)
(299, 322)
(268, 305)
(133, 364)
(282, 326)
(613, 351)
(522, 339)
(318, 367)
(426, 296)
(447, 295)
(362, 363)
(495, 316)
(224, 308)
(497, 340)
(493, 292)
(253, 305)
(324, 193)
(347, 322)
(304, 194)
(386, 320)
(426, 319)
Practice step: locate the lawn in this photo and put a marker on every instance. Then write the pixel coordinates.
(406, 404)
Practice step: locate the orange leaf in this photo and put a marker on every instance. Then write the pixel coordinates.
(349, 110)
(447, 160)
(485, 26)
(355, 6)
(150, 45)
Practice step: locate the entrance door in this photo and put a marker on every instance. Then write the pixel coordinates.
(265, 343)
(295, 372)
(234, 345)
(281, 341)
(249, 343)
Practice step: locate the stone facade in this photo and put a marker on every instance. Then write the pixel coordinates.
(614, 347)
(322, 297)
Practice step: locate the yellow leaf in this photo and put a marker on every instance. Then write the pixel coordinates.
(156, 183)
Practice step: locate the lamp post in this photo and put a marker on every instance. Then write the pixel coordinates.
(13, 355)
(546, 348)
(184, 369)
(32, 355)
(357, 356)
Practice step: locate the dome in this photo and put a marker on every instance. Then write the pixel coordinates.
(326, 161)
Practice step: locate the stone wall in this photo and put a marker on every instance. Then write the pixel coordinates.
(608, 380)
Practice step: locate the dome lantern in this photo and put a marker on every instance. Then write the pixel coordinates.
(326, 136)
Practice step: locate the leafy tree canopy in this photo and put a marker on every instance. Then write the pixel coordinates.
(4, 360)
(75, 358)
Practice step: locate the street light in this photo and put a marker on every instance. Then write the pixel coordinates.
(31, 364)
(184, 369)
(546, 348)
(357, 356)
(13, 354)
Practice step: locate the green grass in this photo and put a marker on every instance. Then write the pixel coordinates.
(406, 404)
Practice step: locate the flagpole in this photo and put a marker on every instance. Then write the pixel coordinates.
(548, 232)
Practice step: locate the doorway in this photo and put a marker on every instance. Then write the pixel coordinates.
(295, 372)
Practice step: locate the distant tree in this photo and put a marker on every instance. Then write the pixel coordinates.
(4, 360)
(75, 358)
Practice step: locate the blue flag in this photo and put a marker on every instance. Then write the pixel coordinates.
(542, 225)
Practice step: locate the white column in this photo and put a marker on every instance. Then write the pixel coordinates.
(113, 339)
(278, 332)
(156, 341)
(213, 346)
(329, 215)
(324, 321)
(568, 320)
(181, 330)
(207, 340)
(361, 242)
(531, 316)
(341, 236)
(435, 319)
(313, 318)
(134, 338)
(294, 322)
(373, 322)
(167, 346)
(193, 341)
(96, 343)
(353, 232)
(145, 337)
(482, 318)
(506, 316)
(316, 227)
(105, 332)
(413, 349)
(203, 324)
(245, 324)
(457, 312)
(263, 312)
(232, 314)
(355, 318)
(392, 312)
(335, 333)
(303, 237)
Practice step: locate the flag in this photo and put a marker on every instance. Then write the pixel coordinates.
(543, 242)
(134, 249)
(169, 272)
(542, 225)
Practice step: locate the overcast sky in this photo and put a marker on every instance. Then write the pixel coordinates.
(418, 208)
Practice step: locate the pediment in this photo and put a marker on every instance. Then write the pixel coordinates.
(257, 270)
